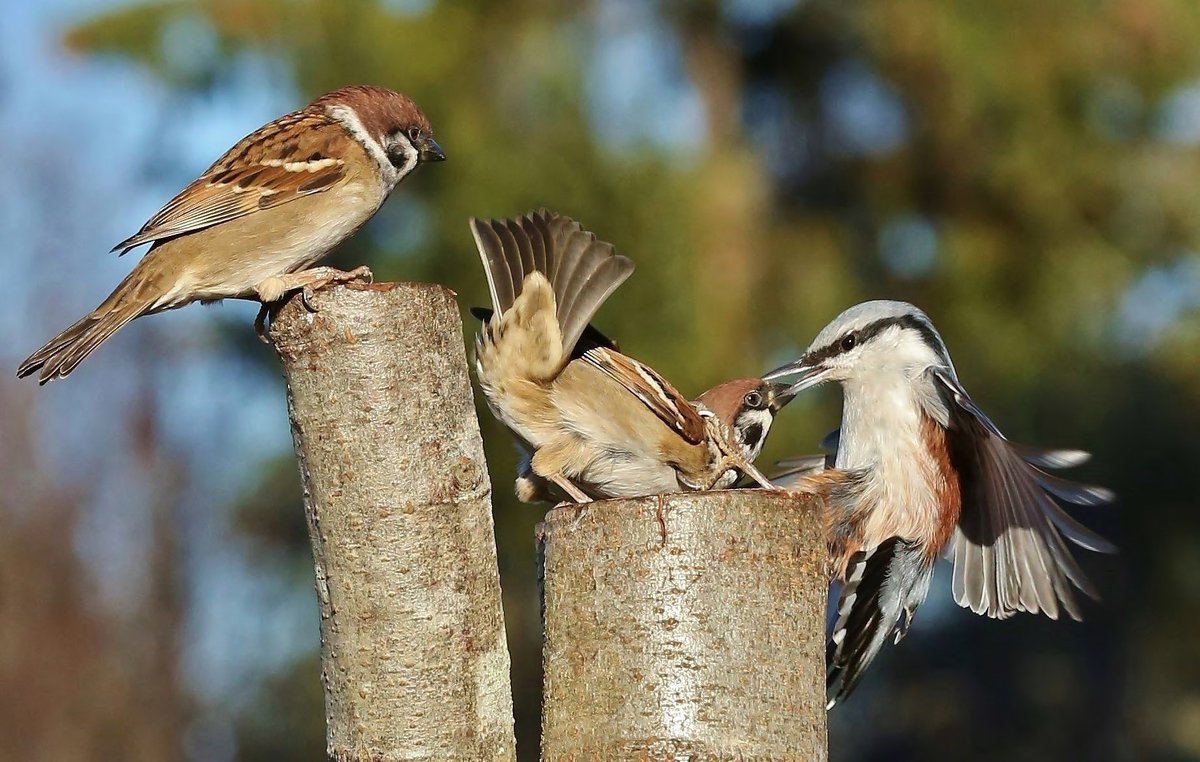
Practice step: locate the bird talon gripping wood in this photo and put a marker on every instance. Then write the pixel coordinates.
(921, 472)
(278, 201)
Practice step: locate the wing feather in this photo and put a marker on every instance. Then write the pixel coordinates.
(652, 389)
(290, 158)
(1008, 550)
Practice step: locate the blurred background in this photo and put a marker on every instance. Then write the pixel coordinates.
(1027, 172)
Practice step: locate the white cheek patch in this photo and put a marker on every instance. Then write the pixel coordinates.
(348, 119)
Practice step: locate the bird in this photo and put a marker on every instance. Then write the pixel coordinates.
(253, 224)
(748, 405)
(920, 472)
(594, 422)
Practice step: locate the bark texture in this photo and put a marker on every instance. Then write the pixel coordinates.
(688, 626)
(413, 653)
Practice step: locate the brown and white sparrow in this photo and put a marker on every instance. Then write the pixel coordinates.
(920, 473)
(595, 422)
(270, 207)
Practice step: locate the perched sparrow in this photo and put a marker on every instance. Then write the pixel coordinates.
(273, 205)
(920, 472)
(598, 423)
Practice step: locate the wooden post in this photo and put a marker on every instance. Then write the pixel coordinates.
(687, 626)
(413, 653)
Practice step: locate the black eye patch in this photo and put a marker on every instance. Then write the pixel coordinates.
(397, 155)
(752, 435)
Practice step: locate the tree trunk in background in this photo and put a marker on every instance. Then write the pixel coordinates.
(685, 626)
(396, 491)
(732, 201)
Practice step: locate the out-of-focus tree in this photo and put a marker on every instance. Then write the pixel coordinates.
(78, 684)
(1023, 171)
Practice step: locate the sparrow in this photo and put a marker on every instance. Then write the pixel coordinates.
(747, 405)
(595, 423)
(253, 224)
(921, 472)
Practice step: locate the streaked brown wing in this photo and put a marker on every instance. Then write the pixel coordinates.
(292, 157)
(1008, 550)
(652, 389)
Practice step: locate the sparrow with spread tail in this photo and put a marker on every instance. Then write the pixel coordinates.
(594, 422)
(921, 472)
(270, 207)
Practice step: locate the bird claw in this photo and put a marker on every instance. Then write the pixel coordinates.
(323, 277)
(308, 282)
(262, 323)
(306, 297)
(731, 454)
(332, 278)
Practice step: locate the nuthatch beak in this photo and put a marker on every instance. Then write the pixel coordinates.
(805, 376)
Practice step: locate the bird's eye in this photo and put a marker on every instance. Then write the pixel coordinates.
(414, 133)
(849, 342)
(754, 400)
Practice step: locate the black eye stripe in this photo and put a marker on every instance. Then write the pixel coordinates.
(873, 329)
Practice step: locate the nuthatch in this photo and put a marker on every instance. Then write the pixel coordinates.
(924, 473)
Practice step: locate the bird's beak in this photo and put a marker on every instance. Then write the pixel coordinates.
(429, 150)
(804, 376)
(781, 394)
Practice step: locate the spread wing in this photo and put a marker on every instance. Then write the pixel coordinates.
(581, 270)
(652, 389)
(295, 156)
(1009, 548)
(590, 339)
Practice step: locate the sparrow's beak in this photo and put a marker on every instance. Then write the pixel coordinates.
(804, 376)
(781, 394)
(429, 150)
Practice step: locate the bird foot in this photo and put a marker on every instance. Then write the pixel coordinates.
(262, 321)
(313, 280)
(731, 454)
(272, 290)
(565, 484)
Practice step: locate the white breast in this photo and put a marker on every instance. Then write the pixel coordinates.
(881, 432)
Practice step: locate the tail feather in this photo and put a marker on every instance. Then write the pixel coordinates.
(582, 271)
(64, 352)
